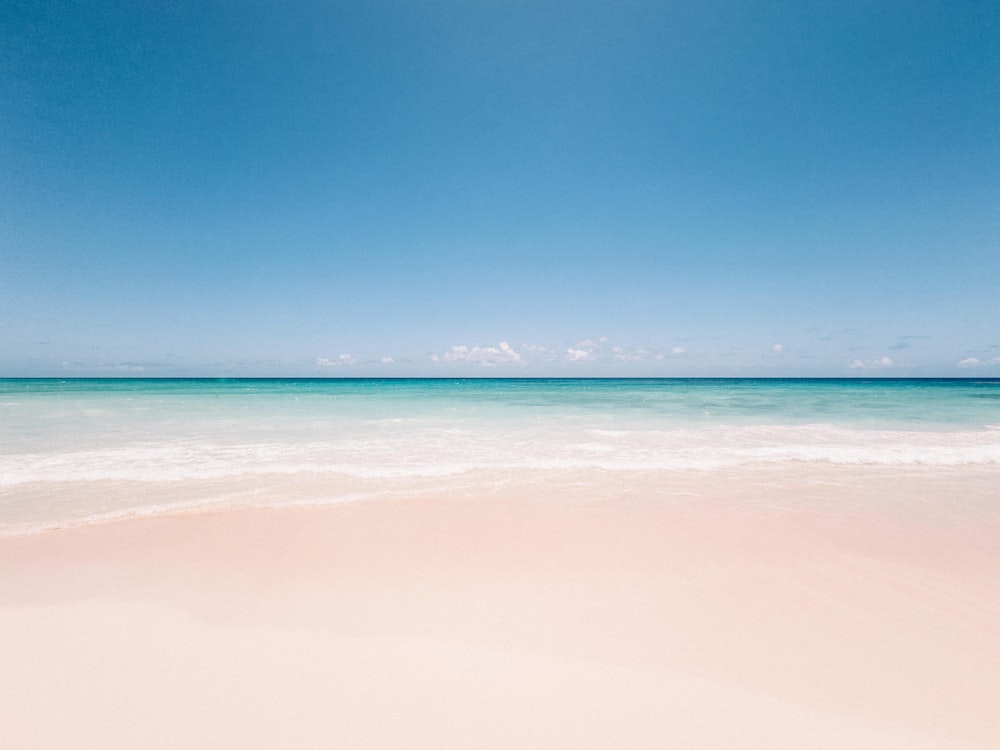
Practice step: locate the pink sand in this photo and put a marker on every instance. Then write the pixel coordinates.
(499, 622)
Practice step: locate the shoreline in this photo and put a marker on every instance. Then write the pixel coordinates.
(945, 493)
(507, 620)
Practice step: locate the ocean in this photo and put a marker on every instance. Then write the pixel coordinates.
(76, 451)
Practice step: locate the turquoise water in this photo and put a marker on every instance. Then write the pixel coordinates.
(963, 402)
(68, 445)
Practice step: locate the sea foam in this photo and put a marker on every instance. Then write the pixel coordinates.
(419, 452)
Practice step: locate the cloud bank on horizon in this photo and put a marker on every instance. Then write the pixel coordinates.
(588, 357)
(424, 189)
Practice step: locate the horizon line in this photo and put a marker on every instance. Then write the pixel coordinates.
(489, 377)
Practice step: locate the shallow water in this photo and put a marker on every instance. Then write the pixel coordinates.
(75, 450)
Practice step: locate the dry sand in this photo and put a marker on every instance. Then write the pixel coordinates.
(507, 621)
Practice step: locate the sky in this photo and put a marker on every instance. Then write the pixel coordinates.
(483, 188)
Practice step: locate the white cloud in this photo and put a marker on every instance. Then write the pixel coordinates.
(679, 350)
(976, 362)
(387, 360)
(576, 355)
(487, 356)
(872, 364)
(598, 349)
(343, 359)
(505, 348)
(777, 348)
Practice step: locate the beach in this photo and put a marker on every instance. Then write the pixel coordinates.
(499, 375)
(510, 621)
(593, 589)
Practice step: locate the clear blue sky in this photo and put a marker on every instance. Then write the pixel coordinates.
(500, 188)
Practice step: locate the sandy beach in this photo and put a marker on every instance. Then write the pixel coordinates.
(515, 620)
(499, 375)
